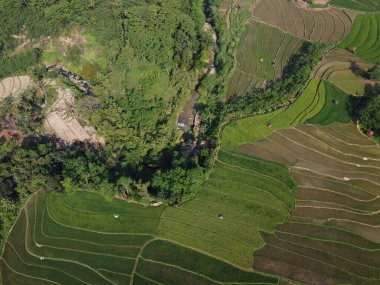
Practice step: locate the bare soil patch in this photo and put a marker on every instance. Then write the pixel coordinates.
(64, 123)
(13, 86)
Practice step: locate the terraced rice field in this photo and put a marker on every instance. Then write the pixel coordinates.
(62, 239)
(332, 235)
(75, 239)
(12, 86)
(362, 5)
(261, 57)
(309, 104)
(363, 38)
(335, 108)
(326, 26)
(251, 194)
(344, 69)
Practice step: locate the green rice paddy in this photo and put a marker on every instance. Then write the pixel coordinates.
(362, 5)
(363, 38)
(335, 108)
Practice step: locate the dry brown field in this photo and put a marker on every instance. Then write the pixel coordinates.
(321, 25)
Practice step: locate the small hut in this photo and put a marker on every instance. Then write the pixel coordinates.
(221, 216)
(116, 216)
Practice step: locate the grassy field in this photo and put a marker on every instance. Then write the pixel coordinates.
(327, 26)
(251, 129)
(262, 54)
(331, 236)
(251, 194)
(75, 239)
(362, 5)
(363, 38)
(335, 108)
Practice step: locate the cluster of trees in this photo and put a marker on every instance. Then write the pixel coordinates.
(374, 73)
(25, 112)
(369, 115)
(20, 62)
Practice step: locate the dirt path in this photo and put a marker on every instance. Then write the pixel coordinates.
(138, 258)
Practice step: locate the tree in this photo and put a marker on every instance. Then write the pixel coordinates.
(374, 73)
(370, 116)
(175, 184)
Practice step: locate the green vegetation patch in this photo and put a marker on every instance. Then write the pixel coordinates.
(98, 214)
(363, 38)
(310, 102)
(335, 108)
(12, 65)
(190, 260)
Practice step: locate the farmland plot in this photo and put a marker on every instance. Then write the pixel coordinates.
(332, 235)
(335, 108)
(344, 69)
(12, 86)
(242, 196)
(262, 54)
(326, 26)
(362, 5)
(169, 263)
(309, 104)
(363, 39)
(62, 121)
